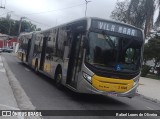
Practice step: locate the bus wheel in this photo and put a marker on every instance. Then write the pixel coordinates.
(58, 79)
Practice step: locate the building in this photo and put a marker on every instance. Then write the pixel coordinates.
(7, 41)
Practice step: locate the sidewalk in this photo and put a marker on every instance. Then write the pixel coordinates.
(7, 99)
(12, 96)
(150, 88)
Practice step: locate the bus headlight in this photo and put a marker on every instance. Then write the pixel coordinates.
(87, 77)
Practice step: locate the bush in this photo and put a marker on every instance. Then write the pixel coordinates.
(145, 70)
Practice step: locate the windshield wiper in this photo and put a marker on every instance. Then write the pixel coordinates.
(109, 40)
(128, 44)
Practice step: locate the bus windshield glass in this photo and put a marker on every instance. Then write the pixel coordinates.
(113, 53)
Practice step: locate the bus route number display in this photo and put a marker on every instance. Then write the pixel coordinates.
(115, 27)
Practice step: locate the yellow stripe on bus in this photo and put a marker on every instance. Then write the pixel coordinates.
(33, 63)
(19, 55)
(47, 67)
(24, 57)
(111, 84)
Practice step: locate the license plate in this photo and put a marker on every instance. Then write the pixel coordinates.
(112, 94)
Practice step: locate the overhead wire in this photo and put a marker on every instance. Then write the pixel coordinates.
(37, 22)
(19, 16)
(55, 10)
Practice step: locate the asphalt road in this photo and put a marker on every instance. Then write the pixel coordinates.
(45, 96)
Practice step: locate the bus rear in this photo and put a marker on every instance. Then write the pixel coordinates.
(113, 59)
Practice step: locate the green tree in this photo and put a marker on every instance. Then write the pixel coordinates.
(10, 26)
(147, 54)
(152, 49)
(157, 23)
(4, 25)
(27, 26)
(120, 12)
(136, 12)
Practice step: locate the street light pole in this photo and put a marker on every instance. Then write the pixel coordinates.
(86, 6)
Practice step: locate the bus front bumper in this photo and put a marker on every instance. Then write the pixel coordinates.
(85, 87)
(131, 93)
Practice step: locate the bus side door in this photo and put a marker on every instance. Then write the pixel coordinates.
(75, 60)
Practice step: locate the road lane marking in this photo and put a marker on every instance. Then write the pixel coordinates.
(26, 69)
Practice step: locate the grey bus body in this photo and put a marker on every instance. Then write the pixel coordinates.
(89, 55)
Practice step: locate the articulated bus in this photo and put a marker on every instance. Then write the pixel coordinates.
(89, 55)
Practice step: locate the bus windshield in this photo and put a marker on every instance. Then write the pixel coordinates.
(113, 53)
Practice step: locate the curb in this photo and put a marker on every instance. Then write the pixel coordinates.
(149, 98)
(21, 97)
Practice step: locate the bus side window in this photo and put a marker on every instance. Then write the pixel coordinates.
(49, 49)
(53, 40)
(66, 51)
(62, 37)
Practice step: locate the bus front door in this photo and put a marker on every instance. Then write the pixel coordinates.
(76, 56)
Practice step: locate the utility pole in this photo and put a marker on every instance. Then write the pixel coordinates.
(20, 23)
(9, 23)
(9, 31)
(86, 6)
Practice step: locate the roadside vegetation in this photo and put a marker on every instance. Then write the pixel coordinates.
(10, 26)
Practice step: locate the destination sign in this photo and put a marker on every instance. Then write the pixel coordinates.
(115, 27)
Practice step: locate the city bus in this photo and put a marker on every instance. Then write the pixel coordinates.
(88, 55)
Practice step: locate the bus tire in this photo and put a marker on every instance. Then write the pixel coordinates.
(58, 78)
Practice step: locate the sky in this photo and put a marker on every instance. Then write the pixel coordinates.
(49, 13)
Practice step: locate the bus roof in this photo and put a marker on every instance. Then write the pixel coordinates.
(80, 19)
(92, 18)
(96, 18)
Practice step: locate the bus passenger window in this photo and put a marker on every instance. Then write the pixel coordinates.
(66, 52)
